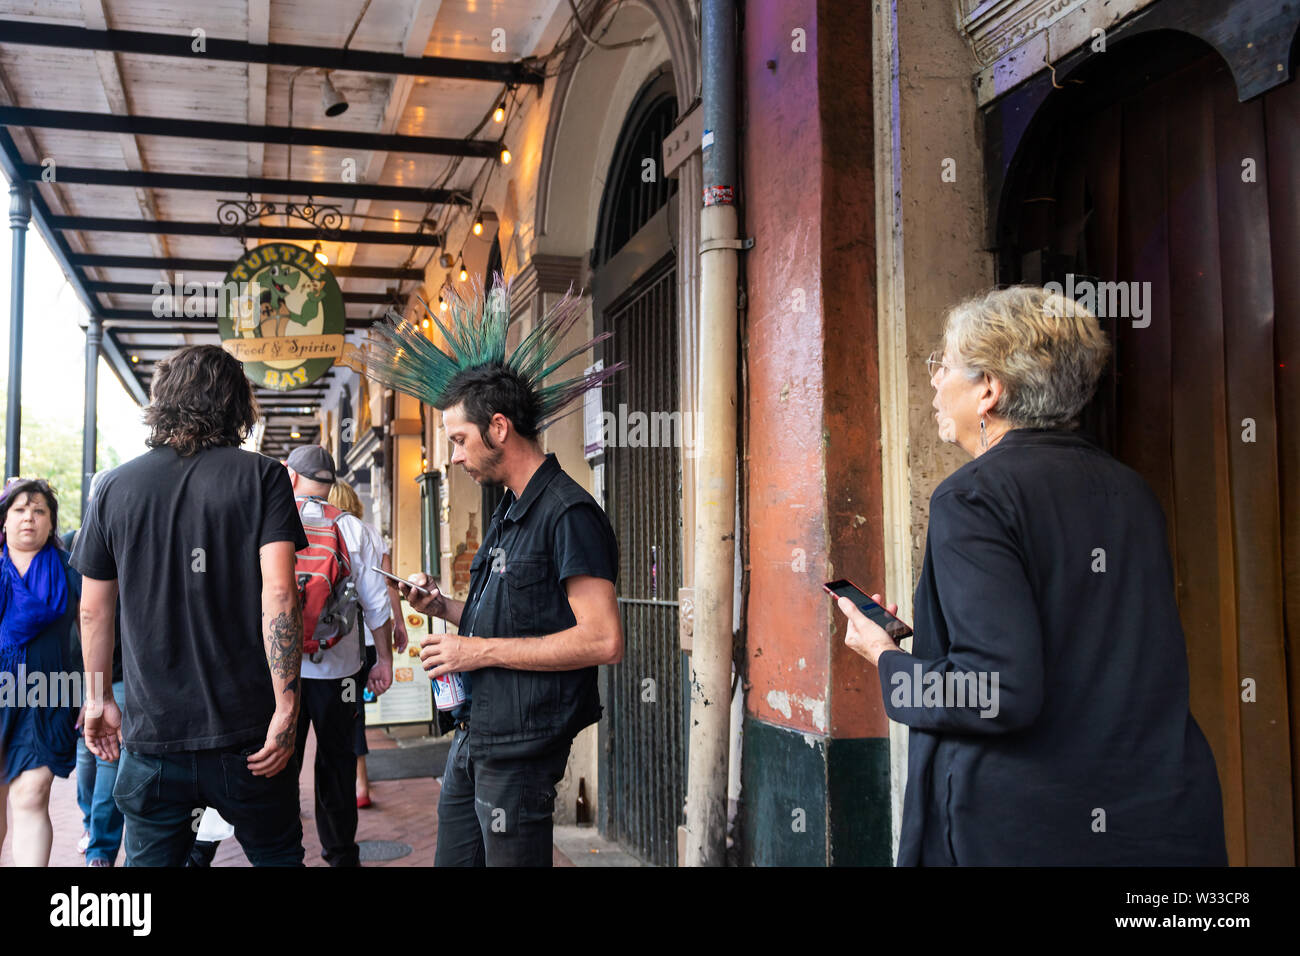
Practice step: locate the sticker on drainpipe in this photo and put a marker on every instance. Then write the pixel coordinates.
(707, 140)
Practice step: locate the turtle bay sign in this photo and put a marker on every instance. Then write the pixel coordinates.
(282, 316)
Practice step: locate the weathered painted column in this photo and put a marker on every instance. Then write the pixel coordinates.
(815, 771)
(20, 214)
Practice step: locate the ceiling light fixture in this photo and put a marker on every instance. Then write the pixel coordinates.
(332, 101)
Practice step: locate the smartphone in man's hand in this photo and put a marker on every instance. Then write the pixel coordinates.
(396, 580)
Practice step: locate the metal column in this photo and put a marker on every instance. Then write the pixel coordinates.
(20, 214)
(90, 424)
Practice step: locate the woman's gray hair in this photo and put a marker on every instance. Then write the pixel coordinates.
(1047, 350)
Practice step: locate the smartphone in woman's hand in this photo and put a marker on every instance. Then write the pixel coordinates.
(890, 624)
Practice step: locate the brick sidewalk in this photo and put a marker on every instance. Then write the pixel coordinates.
(404, 811)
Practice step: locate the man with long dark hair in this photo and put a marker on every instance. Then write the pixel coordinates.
(192, 533)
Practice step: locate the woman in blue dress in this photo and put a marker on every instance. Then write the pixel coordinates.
(38, 603)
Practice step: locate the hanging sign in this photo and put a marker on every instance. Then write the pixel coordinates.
(281, 314)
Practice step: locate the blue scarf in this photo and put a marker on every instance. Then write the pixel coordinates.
(29, 603)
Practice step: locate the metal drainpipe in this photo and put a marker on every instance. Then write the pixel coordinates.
(715, 477)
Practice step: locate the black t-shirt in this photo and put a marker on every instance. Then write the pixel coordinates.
(181, 536)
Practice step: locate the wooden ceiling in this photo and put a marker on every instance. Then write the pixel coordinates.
(130, 134)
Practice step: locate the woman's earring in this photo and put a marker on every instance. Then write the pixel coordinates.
(984, 435)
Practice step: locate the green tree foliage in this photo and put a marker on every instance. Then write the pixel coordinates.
(52, 450)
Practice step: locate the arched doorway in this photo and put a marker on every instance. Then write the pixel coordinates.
(1149, 185)
(643, 747)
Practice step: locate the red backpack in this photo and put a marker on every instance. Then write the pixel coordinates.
(323, 571)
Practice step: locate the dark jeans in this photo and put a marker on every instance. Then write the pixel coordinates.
(85, 780)
(100, 816)
(163, 796)
(334, 720)
(497, 812)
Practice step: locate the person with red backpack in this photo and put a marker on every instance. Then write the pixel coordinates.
(335, 581)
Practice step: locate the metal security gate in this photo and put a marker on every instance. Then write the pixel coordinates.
(643, 753)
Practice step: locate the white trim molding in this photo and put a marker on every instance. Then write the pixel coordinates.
(891, 326)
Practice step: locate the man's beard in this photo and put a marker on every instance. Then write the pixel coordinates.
(487, 472)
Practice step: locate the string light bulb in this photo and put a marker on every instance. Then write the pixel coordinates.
(505, 156)
(499, 114)
(135, 358)
(320, 256)
(478, 225)
(464, 273)
(442, 303)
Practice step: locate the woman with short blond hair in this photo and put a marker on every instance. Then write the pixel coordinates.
(343, 497)
(1046, 688)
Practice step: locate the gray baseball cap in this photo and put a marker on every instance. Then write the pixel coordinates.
(312, 461)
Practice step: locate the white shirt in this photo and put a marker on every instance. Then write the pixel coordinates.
(377, 543)
(344, 658)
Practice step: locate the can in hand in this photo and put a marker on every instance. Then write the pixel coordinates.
(448, 691)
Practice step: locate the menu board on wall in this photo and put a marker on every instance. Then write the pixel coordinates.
(410, 698)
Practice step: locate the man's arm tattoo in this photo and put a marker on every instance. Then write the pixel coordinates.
(285, 647)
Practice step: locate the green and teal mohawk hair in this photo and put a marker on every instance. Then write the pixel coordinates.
(400, 356)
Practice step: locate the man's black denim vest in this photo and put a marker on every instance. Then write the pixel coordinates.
(516, 713)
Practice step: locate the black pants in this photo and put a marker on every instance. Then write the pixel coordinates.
(331, 708)
(497, 812)
(360, 747)
(163, 795)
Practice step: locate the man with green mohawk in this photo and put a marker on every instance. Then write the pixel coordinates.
(541, 612)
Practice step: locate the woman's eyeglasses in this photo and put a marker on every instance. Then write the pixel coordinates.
(935, 362)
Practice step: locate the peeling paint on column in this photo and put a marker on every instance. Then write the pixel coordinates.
(817, 708)
(779, 701)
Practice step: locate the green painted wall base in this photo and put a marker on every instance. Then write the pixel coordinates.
(808, 800)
